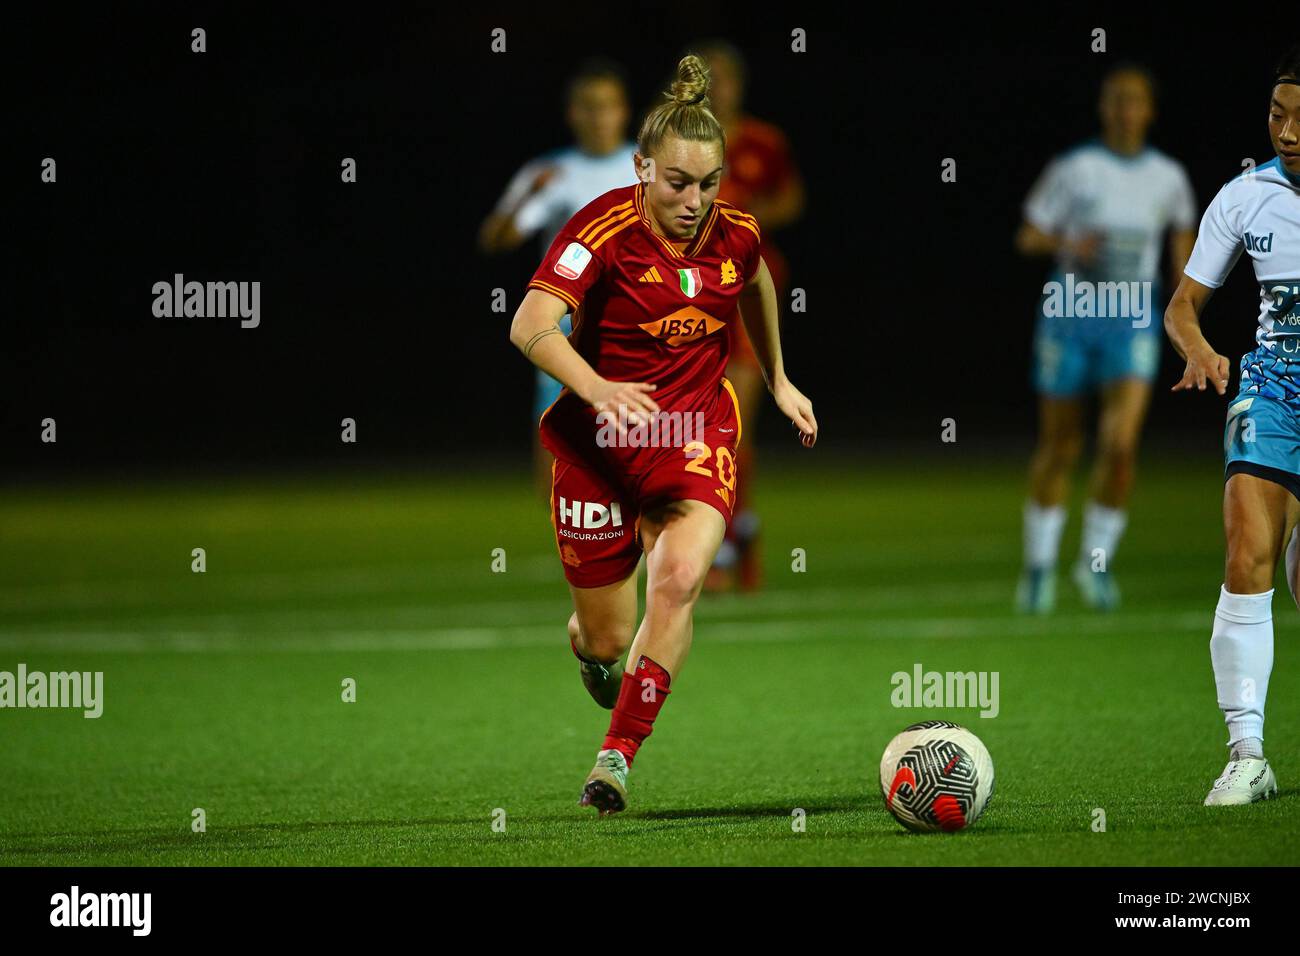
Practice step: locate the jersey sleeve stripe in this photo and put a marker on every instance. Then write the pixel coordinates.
(555, 291)
(743, 222)
(734, 212)
(735, 215)
(613, 231)
(599, 222)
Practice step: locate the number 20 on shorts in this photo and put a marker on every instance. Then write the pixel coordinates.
(724, 460)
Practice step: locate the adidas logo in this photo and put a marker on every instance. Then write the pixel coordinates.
(651, 275)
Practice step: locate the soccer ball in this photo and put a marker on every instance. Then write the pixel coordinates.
(936, 775)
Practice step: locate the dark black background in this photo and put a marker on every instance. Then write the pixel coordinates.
(375, 304)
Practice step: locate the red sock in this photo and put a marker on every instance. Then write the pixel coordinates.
(644, 690)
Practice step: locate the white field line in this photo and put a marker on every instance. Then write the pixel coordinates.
(507, 612)
(452, 576)
(855, 628)
(277, 584)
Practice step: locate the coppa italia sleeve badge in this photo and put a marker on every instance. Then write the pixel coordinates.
(573, 260)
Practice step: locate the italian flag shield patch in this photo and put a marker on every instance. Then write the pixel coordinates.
(691, 283)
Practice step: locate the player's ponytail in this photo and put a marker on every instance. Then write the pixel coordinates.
(685, 111)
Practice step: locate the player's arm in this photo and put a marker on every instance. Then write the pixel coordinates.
(535, 331)
(498, 234)
(1033, 242)
(1181, 242)
(1183, 326)
(500, 231)
(758, 310)
(1046, 214)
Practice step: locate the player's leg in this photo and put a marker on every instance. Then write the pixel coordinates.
(600, 632)
(1124, 404)
(1060, 442)
(685, 498)
(596, 539)
(1261, 442)
(680, 541)
(1293, 550)
(1060, 377)
(1241, 645)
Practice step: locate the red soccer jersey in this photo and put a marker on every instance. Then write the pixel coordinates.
(644, 312)
(758, 162)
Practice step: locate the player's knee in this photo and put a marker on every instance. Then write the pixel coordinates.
(678, 581)
(1119, 454)
(1061, 452)
(1249, 568)
(607, 641)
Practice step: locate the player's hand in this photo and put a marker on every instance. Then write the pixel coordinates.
(1202, 365)
(796, 407)
(635, 397)
(1086, 249)
(541, 179)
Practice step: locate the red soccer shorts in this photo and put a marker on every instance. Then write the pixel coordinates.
(597, 516)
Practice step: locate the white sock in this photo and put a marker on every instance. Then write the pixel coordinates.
(1102, 528)
(1248, 747)
(1241, 650)
(1043, 527)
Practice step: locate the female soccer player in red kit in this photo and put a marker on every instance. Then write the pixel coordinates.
(646, 429)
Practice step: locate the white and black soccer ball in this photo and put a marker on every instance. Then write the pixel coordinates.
(936, 775)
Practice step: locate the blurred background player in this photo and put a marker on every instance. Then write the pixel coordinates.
(761, 178)
(548, 190)
(1100, 210)
(1259, 213)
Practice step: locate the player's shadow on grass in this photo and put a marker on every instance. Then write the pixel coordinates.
(248, 836)
(749, 811)
(253, 836)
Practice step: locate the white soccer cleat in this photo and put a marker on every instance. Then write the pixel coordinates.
(1097, 588)
(1243, 781)
(1036, 591)
(606, 786)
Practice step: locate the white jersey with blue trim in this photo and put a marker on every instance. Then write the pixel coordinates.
(1128, 200)
(576, 179)
(1258, 212)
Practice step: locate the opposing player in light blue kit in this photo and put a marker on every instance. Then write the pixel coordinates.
(1101, 210)
(1259, 213)
(546, 192)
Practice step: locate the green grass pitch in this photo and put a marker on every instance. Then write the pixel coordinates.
(223, 689)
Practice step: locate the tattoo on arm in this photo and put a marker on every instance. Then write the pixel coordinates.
(553, 330)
